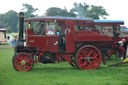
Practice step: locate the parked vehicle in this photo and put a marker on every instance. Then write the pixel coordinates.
(79, 41)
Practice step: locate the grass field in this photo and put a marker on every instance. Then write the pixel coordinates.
(59, 74)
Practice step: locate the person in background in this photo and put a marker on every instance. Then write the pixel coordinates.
(58, 33)
(14, 41)
(122, 49)
(9, 40)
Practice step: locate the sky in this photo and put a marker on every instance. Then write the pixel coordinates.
(117, 9)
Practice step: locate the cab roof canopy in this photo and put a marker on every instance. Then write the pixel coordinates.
(109, 22)
(58, 18)
(89, 20)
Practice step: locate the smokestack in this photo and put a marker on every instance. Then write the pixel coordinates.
(21, 25)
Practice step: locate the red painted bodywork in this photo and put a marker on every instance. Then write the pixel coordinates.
(73, 39)
(47, 42)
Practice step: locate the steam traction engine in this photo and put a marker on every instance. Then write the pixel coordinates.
(56, 39)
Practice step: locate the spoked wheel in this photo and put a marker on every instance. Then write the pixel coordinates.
(22, 61)
(88, 57)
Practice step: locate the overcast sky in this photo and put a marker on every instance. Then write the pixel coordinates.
(117, 9)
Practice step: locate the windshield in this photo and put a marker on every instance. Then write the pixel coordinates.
(37, 27)
(50, 28)
(47, 27)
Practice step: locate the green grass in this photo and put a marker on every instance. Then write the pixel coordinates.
(60, 74)
(13, 33)
(4, 45)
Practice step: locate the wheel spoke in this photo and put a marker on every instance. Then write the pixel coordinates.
(84, 53)
(26, 66)
(28, 62)
(82, 58)
(21, 67)
(83, 64)
(18, 63)
(90, 52)
(95, 57)
(90, 65)
(94, 64)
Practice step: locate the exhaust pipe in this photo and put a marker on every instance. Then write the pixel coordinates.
(21, 25)
(20, 41)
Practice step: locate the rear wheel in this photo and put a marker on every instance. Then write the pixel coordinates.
(88, 57)
(23, 61)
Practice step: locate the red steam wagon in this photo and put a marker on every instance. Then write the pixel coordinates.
(56, 39)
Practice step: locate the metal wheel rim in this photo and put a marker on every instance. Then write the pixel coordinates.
(23, 67)
(88, 57)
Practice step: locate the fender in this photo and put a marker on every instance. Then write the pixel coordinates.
(26, 49)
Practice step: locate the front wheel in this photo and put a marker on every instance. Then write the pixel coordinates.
(88, 57)
(23, 61)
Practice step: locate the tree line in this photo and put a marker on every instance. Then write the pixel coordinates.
(9, 19)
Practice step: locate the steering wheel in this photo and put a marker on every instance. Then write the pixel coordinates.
(36, 33)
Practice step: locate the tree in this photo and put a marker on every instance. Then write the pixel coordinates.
(2, 21)
(9, 20)
(81, 10)
(96, 12)
(84, 10)
(29, 10)
(55, 11)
